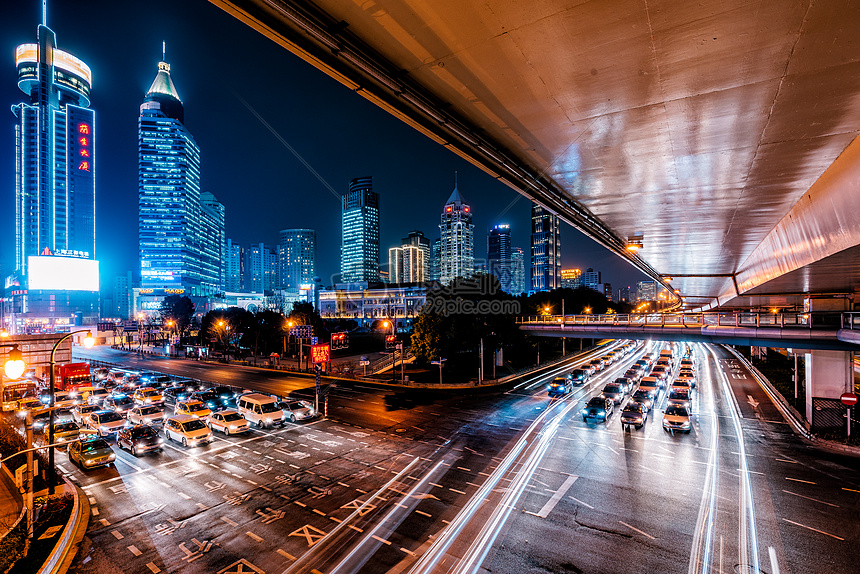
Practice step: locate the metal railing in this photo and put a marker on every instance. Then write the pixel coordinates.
(745, 319)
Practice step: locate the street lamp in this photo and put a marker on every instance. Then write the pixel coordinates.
(88, 343)
(439, 362)
(139, 334)
(14, 366)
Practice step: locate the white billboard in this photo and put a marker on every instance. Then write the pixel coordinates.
(62, 273)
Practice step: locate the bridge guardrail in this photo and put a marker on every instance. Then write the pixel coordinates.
(747, 319)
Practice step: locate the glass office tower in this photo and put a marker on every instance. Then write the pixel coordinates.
(546, 250)
(359, 252)
(296, 258)
(180, 241)
(457, 257)
(56, 275)
(499, 255)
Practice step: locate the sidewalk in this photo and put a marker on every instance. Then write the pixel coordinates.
(11, 504)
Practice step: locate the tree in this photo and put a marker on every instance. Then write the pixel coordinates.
(428, 337)
(178, 309)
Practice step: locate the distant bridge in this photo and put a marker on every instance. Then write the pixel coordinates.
(839, 331)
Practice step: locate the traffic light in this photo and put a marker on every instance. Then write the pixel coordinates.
(391, 341)
(340, 341)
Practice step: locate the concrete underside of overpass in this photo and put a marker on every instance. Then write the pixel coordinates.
(719, 134)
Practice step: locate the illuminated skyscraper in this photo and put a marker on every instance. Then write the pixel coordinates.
(518, 271)
(499, 255)
(359, 252)
(546, 250)
(417, 239)
(54, 185)
(181, 231)
(296, 258)
(457, 257)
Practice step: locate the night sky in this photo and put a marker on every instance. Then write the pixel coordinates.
(220, 67)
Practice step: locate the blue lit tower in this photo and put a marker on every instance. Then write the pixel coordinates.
(296, 258)
(457, 257)
(55, 155)
(359, 252)
(499, 255)
(546, 250)
(180, 230)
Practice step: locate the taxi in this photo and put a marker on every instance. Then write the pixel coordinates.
(147, 396)
(196, 409)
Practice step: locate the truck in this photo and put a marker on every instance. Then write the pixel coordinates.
(74, 378)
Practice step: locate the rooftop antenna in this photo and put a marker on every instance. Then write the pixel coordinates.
(455, 178)
(45, 13)
(163, 51)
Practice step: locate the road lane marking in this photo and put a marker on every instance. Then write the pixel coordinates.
(457, 491)
(253, 536)
(183, 495)
(550, 504)
(356, 528)
(423, 514)
(637, 530)
(798, 480)
(133, 549)
(286, 555)
(810, 498)
(95, 510)
(383, 540)
(436, 485)
(104, 522)
(320, 512)
(302, 504)
(581, 502)
(464, 469)
(407, 551)
(850, 489)
(153, 568)
(813, 529)
(784, 460)
(774, 566)
(228, 521)
(117, 535)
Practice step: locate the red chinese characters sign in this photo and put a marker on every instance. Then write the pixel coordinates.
(320, 353)
(84, 146)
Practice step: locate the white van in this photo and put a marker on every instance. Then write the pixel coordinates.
(260, 410)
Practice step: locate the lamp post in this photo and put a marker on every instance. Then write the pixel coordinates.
(439, 362)
(88, 343)
(139, 333)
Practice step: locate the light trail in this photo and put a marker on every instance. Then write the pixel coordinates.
(487, 513)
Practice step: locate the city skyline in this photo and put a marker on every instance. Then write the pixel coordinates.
(263, 186)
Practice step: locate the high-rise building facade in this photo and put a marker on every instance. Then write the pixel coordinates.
(296, 258)
(235, 267)
(457, 251)
(395, 265)
(413, 264)
(646, 291)
(436, 260)
(416, 239)
(546, 250)
(571, 278)
(518, 271)
(591, 280)
(359, 252)
(499, 255)
(262, 268)
(181, 245)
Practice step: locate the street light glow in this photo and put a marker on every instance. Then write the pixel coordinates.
(14, 366)
(89, 340)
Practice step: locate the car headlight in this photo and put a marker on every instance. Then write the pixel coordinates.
(112, 457)
(88, 462)
(160, 441)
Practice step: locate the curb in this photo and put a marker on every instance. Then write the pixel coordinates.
(66, 549)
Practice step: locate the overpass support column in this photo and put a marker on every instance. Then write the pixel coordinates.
(828, 375)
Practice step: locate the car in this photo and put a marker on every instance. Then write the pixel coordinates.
(29, 403)
(614, 392)
(626, 384)
(679, 396)
(224, 393)
(145, 415)
(208, 398)
(650, 385)
(661, 372)
(191, 408)
(91, 453)
(147, 396)
(664, 362)
(642, 364)
(100, 373)
(687, 364)
(105, 422)
(298, 410)
(598, 407)
(62, 400)
(578, 376)
(80, 412)
(598, 365)
(97, 396)
(65, 431)
(689, 376)
(188, 430)
(228, 422)
(633, 414)
(643, 397)
(676, 418)
(120, 403)
(139, 439)
(558, 387)
(681, 384)
(633, 374)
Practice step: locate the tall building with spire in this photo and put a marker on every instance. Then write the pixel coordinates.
(181, 231)
(546, 250)
(359, 252)
(457, 253)
(55, 163)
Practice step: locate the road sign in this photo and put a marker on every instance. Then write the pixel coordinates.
(848, 399)
(363, 363)
(315, 340)
(320, 353)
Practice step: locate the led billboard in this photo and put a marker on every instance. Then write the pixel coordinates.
(62, 273)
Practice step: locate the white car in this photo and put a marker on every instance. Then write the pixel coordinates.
(188, 430)
(97, 396)
(81, 412)
(228, 422)
(297, 410)
(105, 422)
(146, 415)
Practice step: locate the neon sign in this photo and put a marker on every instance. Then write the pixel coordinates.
(84, 150)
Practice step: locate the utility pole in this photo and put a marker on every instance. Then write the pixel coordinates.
(481, 369)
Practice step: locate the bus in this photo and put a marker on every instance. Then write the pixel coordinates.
(15, 391)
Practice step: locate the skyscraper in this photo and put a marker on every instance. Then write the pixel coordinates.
(296, 258)
(571, 278)
(546, 250)
(359, 252)
(416, 239)
(499, 255)
(235, 267)
(436, 260)
(457, 242)
(262, 268)
(54, 184)
(518, 271)
(395, 265)
(178, 230)
(413, 264)
(591, 279)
